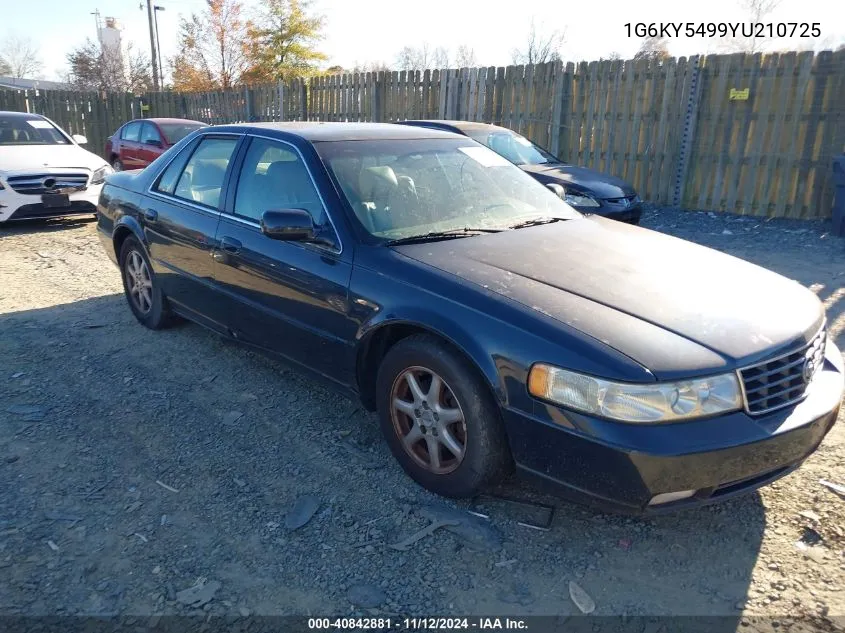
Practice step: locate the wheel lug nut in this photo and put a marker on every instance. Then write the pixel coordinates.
(417, 412)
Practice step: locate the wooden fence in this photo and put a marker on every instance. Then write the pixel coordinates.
(747, 134)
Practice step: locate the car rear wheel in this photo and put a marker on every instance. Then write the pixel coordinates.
(145, 298)
(117, 164)
(439, 418)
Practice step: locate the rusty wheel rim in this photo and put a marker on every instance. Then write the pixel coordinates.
(428, 420)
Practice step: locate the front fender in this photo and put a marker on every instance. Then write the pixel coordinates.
(459, 336)
(118, 211)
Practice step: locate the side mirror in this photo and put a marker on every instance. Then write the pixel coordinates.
(153, 141)
(557, 189)
(290, 225)
(79, 139)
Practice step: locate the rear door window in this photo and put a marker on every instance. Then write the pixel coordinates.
(131, 132)
(201, 181)
(150, 133)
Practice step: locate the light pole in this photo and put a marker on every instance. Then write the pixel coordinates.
(156, 9)
(152, 44)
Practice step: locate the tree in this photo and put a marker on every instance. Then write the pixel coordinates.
(756, 11)
(653, 48)
(422, 57)
(284, 45)
(371, 67)
(214, 48)
(539, 48)
(465, 57)
(107, 68)
(5, 69)
(21, 57)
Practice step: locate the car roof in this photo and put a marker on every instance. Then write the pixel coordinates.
(19, 115)
(166, 120)
(459, 126)
(315, 131)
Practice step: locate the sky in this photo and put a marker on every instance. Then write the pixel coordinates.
(360, 31)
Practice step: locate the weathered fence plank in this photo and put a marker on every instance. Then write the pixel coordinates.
(669, 127)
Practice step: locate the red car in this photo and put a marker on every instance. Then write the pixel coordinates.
(138, 143)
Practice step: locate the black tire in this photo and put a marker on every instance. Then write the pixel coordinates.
(486, 456)
(153, 312)
(117, 164)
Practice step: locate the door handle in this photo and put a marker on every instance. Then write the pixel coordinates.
(151, 215)
(230, 244)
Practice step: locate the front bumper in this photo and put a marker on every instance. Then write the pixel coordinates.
(16, 206)
(616, 211)
(623, 467)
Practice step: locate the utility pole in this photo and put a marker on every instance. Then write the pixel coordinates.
(156, 9)
(153, 44)
(96, 14)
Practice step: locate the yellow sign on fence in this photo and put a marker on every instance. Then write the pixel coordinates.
(739, 95)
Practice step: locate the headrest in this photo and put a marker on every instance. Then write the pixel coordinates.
(372, 178)
(208, 173)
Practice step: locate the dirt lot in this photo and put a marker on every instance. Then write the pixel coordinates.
(137, 464)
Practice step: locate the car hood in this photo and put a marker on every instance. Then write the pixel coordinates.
(601, 185)
(15, 158)
(628, 287)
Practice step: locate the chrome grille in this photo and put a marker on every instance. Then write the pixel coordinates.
(35, 184)
(782, 381)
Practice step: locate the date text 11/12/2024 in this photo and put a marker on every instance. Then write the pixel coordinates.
(723, 29)
(417, 624)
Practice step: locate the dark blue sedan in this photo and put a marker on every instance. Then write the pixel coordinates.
(587, 190)
(491, 325)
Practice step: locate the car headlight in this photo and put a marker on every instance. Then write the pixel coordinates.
(580, 200)
(99, 176)
(636, 402)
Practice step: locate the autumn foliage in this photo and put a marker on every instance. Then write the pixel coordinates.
(223, 46)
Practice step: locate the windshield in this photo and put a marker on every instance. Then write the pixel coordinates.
(517, 149)
(405, 188)
(175, 132)
(21, 130)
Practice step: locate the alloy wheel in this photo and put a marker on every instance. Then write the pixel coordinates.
(139, 283)
(428, 420)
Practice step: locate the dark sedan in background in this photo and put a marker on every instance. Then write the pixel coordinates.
(488, 322)
(587, 190)
(138, 143)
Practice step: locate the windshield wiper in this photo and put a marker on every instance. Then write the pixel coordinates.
(535, 222)
(441, 235)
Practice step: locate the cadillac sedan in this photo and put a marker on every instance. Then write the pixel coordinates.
(491, 325)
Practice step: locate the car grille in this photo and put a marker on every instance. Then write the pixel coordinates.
(626, 200)
(782, 381)
(35, 184)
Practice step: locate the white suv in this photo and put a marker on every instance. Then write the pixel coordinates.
(44, 173)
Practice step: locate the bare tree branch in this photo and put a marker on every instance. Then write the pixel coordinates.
(108, 68)
(755, 11)
(539, 48)
(653, 48)
(465, 57)
(21, 57)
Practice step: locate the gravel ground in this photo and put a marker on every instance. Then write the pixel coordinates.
(136, 465)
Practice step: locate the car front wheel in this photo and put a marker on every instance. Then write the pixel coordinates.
(145, 298)
(117, 164)
(439, 418)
